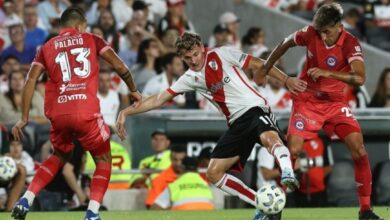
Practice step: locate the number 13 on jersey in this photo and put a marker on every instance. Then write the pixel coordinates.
(81, 54)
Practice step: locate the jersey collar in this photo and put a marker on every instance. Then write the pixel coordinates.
(68, 30)
(341, 39)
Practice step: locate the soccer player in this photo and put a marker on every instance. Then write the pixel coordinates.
(333, 59)
(72, 106)
(219, 76)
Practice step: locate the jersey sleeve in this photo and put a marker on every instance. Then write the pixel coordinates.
(353, 51)
(101, 45)
(39, 59)
(234, 56)
(302, 36)
(184, 84)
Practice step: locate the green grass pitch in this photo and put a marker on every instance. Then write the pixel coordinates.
(233, 214)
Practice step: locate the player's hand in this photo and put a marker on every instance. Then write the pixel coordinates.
(316, 73)
(137, 98)
(120, 126)
(295, 85)
(17, 129)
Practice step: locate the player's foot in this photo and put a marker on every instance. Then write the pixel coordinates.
(259, 215)
(20, 210)
(369, 215)
(92, 216)
(275, 217)
(288, 179)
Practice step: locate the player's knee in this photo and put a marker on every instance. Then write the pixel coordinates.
(214, 174)
(358, 150)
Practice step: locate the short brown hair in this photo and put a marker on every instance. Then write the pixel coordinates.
(187, 41)
(328, 15)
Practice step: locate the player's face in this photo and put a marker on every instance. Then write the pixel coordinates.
(330, 34)
(177, 161)
(160, 143)
(194, 58)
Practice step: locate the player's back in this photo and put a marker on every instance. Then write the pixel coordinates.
(71, 61)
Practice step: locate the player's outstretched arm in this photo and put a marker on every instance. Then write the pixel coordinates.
(278, 52)
(150, 103)
(28, 91)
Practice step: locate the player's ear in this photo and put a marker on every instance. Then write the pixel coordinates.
(341, 27)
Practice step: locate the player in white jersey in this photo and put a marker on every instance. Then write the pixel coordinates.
(219, 76)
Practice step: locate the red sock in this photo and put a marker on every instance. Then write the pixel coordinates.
(363, 180)
(100, 181)
(45, 174)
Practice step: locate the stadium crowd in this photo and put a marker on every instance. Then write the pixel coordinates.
(143, 33)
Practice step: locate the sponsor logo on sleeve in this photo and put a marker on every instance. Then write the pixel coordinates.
(331, 61)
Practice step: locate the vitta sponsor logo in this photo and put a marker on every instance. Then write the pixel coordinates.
(67, 98)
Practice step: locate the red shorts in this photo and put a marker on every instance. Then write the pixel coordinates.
(89, 129)
(307, 118)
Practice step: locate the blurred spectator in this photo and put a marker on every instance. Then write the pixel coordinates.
(96, 9)
(204, 160)
(109, 99)
(35, 36)
(13, 189)
(10, 64)
(18, 48)
(107, 23)
(50, 10)
(121, 161)
(189, 192)
(221, 35)
(141, 15)
(21, 157)
(169, 175)
(144, 69)
(267, 171)
(175, 18)
(9, 17)
(253, 42)
(232, 24)
(351, 21)
(377, 13)
(315, 163)
(160, 160)
(122, 10)
(10, 102)
(381, 96)
(173, 68)
(168, 39)
(356, 96)
(277, 96)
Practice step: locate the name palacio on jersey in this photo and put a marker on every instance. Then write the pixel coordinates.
(68, 42)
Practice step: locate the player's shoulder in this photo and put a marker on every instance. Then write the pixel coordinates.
(308, 29)
(350, 37)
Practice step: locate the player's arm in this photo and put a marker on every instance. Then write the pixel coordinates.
(112, 58)
(278, 52)
(293, 84)
(28, 92)
(356, 77)
(150, 103)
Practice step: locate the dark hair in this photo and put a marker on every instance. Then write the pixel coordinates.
(145, 44)
(11, 56)
(179, 149)
(380, 95)
(110, 30)
(10, 94)
(190, 164)
(205, 153)
(353, 12)
(168, 59)
(187, 41)
(252, 33)
(328, 15)
(71, 16)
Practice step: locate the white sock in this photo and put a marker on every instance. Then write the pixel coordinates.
(94, 206)
(282, 155)
(30, 196)
(236, 187)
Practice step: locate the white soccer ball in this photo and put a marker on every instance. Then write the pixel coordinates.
(7, 168)
(270, 199)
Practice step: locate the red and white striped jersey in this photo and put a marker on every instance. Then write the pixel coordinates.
(223, 82)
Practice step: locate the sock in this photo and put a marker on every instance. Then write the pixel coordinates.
(43, 176)
(99, 183)
(363, 180)
(30, 196)
(282, 156)
(236, 187)
(94, 206)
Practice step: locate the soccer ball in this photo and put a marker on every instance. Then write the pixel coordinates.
(270, 199)
(7, 168)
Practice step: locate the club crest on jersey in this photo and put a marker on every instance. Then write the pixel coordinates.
(300, 125)
(331, 61)
(213, 65)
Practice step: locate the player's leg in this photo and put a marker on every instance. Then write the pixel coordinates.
(295, 144)
(363, 177)
(217, 175)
